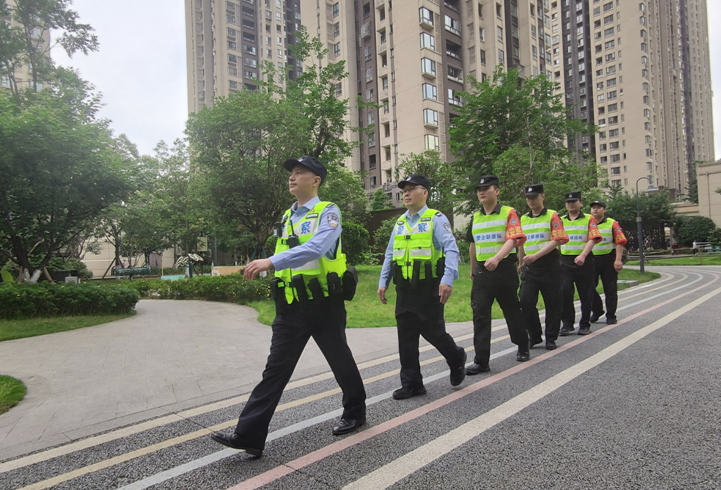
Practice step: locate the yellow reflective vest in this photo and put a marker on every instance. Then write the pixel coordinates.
(489, 233)
(415, 244)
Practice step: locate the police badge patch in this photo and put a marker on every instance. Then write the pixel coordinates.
(333, 220)
(447, 226)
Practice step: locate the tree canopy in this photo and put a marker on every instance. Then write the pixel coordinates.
(517, 129)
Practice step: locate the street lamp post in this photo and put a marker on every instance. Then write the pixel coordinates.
(650, 189)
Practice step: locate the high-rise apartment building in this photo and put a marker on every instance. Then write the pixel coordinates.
(640, 71)
(413, 60)
(228, 40)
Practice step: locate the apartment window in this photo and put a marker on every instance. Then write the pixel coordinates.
(369, 95)
(279, 41)
(610, 69)
(428, 41)
(649, 152)
(232, 45)
(647, 126)
(230, 6)
(430, 91)
(602, 147)
(613, 120)
(454, 97)
(615, 170)
(602, 135)
(336, 29)
(608, 19)
(482, 34)
(336, 10)
(483, 57)
(612, 94)
(453, 25)
(608, 32)
(535, 52)
(431, 141)
(368, 54)
(502, 57)
(384, 83)
(338, 89)
(430, 117)
(428, 66)
(500, 33)
(602, 122)
(455, 73)
(613, 133)
(648, 140)
(371, 140)
(371, 122)
(611, 82)
(613, 145)
(336, 49)
(232, 84)
(610, 56)
(426, 16)
(386, 107)
(615, 158)
(369, 74)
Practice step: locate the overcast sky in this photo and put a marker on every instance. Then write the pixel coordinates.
(140, 67)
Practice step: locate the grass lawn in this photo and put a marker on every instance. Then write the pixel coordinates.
(707, 260)
(30, 327)
(11, 392)
(367, 311)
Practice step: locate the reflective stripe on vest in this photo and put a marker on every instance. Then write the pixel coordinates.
(305, 229)
(537, 230)
(577, 231)
(606, 245)
(415, 243)
(489, 233)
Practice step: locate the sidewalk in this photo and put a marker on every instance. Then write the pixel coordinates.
(170, 356)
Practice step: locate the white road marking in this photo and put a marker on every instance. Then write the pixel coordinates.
(411, 462)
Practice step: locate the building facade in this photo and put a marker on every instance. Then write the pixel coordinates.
(412, 62)
(654, 113)
(22, 76)
(228, 40)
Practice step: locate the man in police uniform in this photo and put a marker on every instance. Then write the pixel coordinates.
(422, 259)
(494, 234)
(577, 265)
(540, 263)
(309, 287)
(607, 262)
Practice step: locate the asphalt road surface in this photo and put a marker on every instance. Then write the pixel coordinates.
(633, 405)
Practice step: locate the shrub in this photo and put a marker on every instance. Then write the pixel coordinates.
(715, 237)
(33, 300)
(232, 288)
(355, 243)
(694, 228)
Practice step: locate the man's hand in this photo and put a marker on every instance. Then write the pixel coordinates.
(618, 265)
(382, 295)
(529, 259)
(444, 291)
(492, 263)
(252, 269)
(580, 260)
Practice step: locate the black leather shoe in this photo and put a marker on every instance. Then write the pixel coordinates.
(566, 331)
(611, 321)
(476, 369)
(551, 345)
(535, 341)
(584, 331)
(346, 426)
(404, 393)
(523, 354)
(235, 441)
(459, 374)
(594, 317)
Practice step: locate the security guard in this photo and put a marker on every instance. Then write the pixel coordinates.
(540, 263)
(422, 258)
(493, 235)
(583, 235)
(311, 282)
(607, 262)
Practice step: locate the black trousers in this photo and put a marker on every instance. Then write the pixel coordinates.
(547, 281)
(433, 329)
(324, 322)
(502, 285)
(604, 269)
(582, 278)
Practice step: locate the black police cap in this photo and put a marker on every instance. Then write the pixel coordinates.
(599, 203)
(573, 196)
(488, 180)
(311, 163)
(415, 179)
(534, 190)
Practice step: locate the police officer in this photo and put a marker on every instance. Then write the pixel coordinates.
(577, 265)
(540, 263)
(422, 258)
(311, 280)
(607, 262)
(494, 234)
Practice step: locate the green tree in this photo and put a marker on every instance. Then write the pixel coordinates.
(26, 42)
(238, 147)
(694, 229)
(692, 186)
(345, 188)
(442, 176)
(382, 236)
(355, 243)
(657, 211)
(517, 129)
(715, 237)
(59, 169)
(380, 200)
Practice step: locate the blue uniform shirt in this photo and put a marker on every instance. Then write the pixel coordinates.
(443, 239)
(322, 243)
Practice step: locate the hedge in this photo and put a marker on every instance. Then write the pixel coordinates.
(34, 300)
(232, 288)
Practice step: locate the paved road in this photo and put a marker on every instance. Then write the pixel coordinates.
(635, 405)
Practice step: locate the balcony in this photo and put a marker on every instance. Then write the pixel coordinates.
(387, 165)
(385, 118)
(380, 3)
(389, 186)
(382, 71)
(426, 23)
(383, 94)
(366, 30)
(381, 25)
(382, 47)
